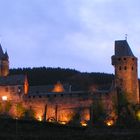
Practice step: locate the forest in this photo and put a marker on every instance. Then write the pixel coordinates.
(78, 80)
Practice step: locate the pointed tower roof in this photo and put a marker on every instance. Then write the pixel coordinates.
(122, 48)
(1, 52)
(6, 55)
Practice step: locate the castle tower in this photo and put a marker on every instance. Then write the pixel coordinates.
(126, 75)
(4, 63)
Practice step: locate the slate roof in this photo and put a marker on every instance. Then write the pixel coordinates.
(1, 52)
(12, 80)
(122, 48)
(44, 89)
(3, 55)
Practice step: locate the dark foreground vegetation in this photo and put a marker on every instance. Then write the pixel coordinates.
(32, 130)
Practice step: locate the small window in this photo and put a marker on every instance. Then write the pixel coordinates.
(19, 89)
(33, 96)
(120, 67)
(124, 58)
(54, 95)
(61, 95)
(119, 59)
(133, 59)
(40, 96)
(125, 68)
(132, 68)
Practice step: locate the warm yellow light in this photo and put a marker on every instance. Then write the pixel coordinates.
(109, 122)
(39, 118)
(83, 123)
(58, 87)
(62, 123)
(4, 98)
(138, 115)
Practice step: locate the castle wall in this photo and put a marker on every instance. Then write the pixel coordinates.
(60, 108)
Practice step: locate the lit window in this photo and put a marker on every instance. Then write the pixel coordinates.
(4, 98)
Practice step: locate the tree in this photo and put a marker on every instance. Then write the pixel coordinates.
(99, 113)
(29, 114)
(20, 110)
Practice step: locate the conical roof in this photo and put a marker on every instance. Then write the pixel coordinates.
(122, 48)
(1, 52)
(6, 55)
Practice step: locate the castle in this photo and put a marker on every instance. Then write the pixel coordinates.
(59, 102)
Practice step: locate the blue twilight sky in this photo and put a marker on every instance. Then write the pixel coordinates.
(75, 34)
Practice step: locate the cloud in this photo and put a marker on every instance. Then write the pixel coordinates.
(68, 33)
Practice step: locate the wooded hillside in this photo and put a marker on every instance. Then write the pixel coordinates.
(78, 80)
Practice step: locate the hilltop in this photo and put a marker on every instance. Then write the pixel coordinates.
(78, 80)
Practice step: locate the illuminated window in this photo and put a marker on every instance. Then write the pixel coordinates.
(4, 98)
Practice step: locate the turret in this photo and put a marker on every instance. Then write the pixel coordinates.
(4, 63)
(126, 75)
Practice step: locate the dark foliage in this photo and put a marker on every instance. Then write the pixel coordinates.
(32, 130)
(78, 80)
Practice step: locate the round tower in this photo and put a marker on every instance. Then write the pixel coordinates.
(126, 75)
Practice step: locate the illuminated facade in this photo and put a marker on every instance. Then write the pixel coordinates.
(59, 103)
(126, 71)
